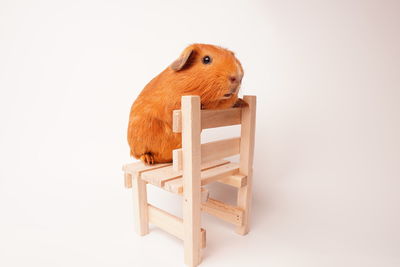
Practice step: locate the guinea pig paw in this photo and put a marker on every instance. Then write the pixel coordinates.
(147, 158)
(240, 103)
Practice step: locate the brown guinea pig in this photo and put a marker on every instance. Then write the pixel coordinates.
(209, 71)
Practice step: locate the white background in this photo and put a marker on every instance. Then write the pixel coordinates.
(327, 77)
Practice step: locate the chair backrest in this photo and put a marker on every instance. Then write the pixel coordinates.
(190, 120)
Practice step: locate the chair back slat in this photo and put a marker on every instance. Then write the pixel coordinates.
(220, 149)
(210, 151)
(220, 117)
(210, 118)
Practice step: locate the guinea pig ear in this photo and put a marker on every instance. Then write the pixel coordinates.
(183, 59)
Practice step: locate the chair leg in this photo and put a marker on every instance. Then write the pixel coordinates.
(191, 129)
(247, 132)
(192, 231)
(244, 198)
(140, 206)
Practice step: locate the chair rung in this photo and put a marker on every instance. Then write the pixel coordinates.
(170, 223)
(228, 213)
(235, 180)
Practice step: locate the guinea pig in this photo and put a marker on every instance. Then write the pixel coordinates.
(209, 71)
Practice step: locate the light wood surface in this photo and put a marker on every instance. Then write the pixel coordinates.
(236, 180)
(177, 159)
(136, 168)
(210, 118)
(191, 179)
(160, 176)
(207, 176)
(244, 196)
(219, 209)
(170, 223)
(196, 165)
(212, 151)
(128, 180)
(219, 118)
(220, 149)
(176, 121)
(205, 194)
(140, 205)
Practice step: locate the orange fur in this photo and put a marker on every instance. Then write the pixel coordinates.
(150, 135)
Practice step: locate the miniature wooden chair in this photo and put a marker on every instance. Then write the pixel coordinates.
(194, 166)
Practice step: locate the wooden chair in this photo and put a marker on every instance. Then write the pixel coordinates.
(194, 166)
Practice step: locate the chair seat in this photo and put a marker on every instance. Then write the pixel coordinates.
(164, 176)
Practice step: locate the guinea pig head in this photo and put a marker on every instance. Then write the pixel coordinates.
(210, 71)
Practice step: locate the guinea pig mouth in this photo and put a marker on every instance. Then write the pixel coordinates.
(232, 92)
(227, 96)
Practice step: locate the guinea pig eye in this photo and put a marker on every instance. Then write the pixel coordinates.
(207, 60)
